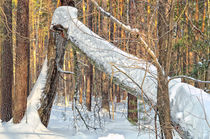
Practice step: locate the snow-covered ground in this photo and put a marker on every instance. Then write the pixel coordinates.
(190, 106)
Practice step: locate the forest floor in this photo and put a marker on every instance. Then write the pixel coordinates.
(66, 124)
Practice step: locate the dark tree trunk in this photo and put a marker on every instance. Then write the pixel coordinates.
(90, 69)
(105, 92)
(132, 109)
(22, 61)
(132, 100)
(7, 64)
(118, 92)
(55, 57)
(56, 51)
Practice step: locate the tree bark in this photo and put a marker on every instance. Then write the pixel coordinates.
(22, 61)
(105, 92)
(163, 104)
(55, 57)
(90, 66)
(132, 100)
(132, 109)
(7, 64)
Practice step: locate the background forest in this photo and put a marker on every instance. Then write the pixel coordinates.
(187, 53)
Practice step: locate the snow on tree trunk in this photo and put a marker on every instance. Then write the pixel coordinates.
(55, 55)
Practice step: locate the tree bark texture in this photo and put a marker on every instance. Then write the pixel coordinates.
(132, 100)
(55, 56)
(90, 66)
(105, 92)
(132, 109)
(163, 104)
(22, 61)
(7, 63)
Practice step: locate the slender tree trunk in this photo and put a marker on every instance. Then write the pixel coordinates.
(163, 103)
(105, 92)
(195, 57)
(7, 64)
(132, 109)
(132, 100)
(22, 61)
(105, 81)
(90, 69)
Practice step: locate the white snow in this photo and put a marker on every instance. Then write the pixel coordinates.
(30, 126)
(190, 106)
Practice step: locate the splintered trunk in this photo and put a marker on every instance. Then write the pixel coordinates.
(7, 65)
(55, 57)
(22, 61)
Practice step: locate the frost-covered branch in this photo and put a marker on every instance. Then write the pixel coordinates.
(125, 27)
(62, 71)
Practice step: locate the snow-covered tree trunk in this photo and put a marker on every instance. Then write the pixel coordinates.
(55, 59)
(55, 55)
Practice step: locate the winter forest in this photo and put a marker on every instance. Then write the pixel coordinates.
(105, 69)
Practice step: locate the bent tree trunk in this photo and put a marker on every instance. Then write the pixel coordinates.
(55, 58)
(56, 51)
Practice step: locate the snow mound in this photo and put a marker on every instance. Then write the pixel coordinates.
(113, 136)
(30, 126)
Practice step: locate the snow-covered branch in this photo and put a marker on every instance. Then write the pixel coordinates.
(132, 30)
(190, 78)
(183, 97)
(120, 24)
(62, 71)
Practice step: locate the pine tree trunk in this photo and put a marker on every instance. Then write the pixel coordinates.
(132, 100)
(105, 92)
(22, 61)
(7, 64)
(90, 66)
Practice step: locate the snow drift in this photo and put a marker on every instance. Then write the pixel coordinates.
(190, 106)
